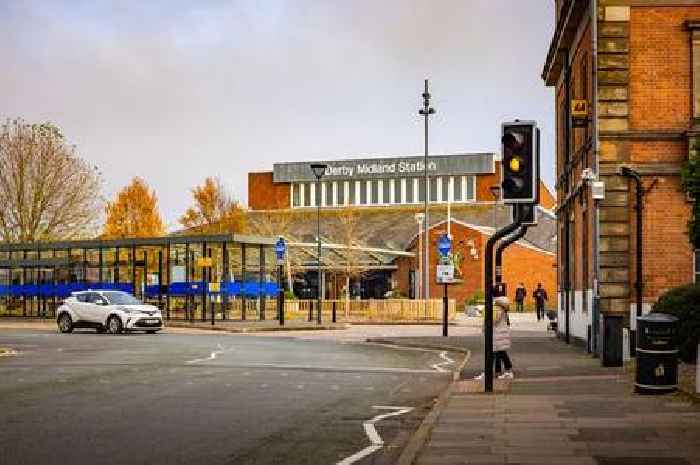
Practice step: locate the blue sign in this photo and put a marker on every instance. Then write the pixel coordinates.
(444, 245)
(280, 249)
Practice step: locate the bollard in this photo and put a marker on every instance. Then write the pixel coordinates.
(334, 312)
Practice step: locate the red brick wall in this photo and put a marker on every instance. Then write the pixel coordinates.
(263, 194)
(660, 70)
(519, 264)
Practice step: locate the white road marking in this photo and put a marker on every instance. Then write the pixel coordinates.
(439, 366)
(371, 432)
(300, 386)
(212, 356)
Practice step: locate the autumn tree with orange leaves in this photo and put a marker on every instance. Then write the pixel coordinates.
(213, 212)
(134, 213)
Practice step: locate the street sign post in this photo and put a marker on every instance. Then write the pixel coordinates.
(280, 250)
(445, 273)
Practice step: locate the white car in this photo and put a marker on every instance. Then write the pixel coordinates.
(110, 311)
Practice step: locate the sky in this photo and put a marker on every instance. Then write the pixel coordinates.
(175, 91)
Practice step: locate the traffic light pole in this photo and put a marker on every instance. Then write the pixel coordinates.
(501, 247)
(488, 290)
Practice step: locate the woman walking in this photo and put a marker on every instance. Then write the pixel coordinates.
(501, 339)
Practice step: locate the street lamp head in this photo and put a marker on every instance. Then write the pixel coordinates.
(319, 169)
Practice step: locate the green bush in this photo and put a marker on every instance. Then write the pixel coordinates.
(477, 298)
(684, 303)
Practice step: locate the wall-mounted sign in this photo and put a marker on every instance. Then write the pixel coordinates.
(579, 109)
(388, 168)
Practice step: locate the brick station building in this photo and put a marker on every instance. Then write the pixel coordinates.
(378, 199)
(637, 65)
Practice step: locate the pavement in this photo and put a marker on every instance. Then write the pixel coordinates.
(561, 408)
(194, 396)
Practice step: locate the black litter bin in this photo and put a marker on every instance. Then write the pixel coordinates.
(657, 352)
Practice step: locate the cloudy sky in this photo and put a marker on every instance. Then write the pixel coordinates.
(175, 91)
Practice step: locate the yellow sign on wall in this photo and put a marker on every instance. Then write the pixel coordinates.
(579, 109)
(214, 287)
(204, 262)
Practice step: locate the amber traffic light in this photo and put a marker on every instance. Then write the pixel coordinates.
(520, 170)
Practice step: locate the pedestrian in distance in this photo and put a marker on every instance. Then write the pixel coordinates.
(520, 294)
(540, 296)
(501, 339)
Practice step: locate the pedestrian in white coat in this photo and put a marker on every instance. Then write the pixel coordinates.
(501, 338)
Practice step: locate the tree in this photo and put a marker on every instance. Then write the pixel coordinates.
(213, 212)
(352, 235)
(46, 191)
(133, 213)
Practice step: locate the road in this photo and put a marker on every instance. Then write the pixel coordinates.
(207, 398)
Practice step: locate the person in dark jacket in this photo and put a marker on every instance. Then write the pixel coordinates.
(540, 296)
(520, 294)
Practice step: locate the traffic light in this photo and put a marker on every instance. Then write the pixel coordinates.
(520, 166)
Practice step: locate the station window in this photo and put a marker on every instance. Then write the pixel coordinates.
(446, 189)
(363, 192)
(329, 193)
(410, 184)
(352, 193)
(340, 192)
(307, 194)
(433, 189)
(296, 195)
(457, 189)
(375, 192)
(386, 191)
(471, 180)
(397, 191)
(421, 189)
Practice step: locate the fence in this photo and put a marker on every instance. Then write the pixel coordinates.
(370, 310)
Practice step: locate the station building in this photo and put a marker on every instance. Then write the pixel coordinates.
(370, 205)
(636, 67)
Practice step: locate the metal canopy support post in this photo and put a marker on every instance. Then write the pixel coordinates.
(243, 299)
(205, 284)
(488, 291)
(261, 281)
(226, 275)
(160, 279)
(167, 280)
(187, 281)
(133, 268)
(116, 265)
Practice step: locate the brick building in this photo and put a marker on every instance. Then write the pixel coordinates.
(637, 65)
(379, 198)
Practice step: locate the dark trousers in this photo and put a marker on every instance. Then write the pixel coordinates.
(540, 311)
(519, 306)
(502, 356)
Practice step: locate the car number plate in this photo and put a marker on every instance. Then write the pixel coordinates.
(151, 320)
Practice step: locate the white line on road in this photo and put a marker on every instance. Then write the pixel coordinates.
(371, 431)
(439, 366)
(212, 356)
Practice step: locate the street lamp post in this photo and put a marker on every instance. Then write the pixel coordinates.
(426, 111)
(319, 169)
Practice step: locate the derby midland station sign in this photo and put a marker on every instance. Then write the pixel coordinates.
(378, 168)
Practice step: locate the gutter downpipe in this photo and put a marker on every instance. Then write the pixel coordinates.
(596, 166)
(567, 149)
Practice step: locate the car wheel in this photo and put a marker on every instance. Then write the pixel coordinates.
(114, 325)
(65, 323)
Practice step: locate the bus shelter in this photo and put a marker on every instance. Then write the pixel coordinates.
(227, 276)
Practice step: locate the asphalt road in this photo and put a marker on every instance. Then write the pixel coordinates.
(214, 398)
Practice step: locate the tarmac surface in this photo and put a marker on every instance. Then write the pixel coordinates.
(208, 398)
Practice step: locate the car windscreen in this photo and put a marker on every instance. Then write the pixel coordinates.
(121, 298)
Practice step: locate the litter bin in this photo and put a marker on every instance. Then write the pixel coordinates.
(657, 352)
(611, 338)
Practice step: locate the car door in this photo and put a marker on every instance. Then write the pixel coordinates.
(95, 309)
(80, 306)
